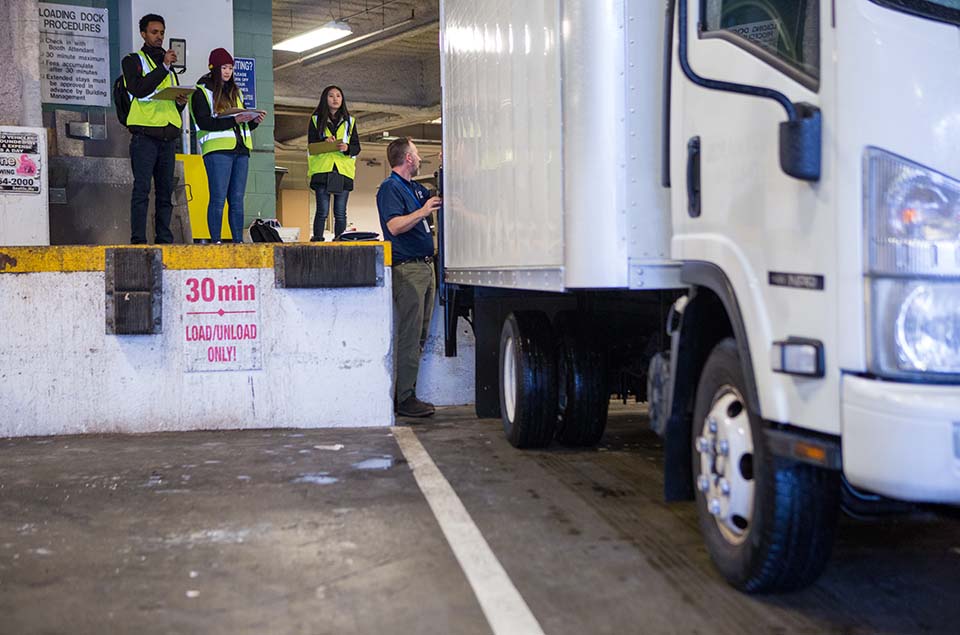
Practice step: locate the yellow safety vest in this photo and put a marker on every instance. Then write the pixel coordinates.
(322, 163)
(151, 113)
(215, 140)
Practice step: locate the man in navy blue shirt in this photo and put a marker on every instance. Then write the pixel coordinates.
(404, 208)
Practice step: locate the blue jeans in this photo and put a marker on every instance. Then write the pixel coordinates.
(152, 160)
(323, 209)
(227, 178)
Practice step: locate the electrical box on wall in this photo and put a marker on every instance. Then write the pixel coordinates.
(203, 26)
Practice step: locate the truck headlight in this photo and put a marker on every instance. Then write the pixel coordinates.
(912, 222)
(915, 326)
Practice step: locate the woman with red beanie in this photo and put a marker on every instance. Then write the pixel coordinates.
(225, 142)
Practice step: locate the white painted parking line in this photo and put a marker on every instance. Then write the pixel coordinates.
(502, 604)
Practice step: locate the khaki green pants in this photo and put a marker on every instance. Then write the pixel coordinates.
(414, 285)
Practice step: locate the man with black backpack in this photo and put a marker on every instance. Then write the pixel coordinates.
(154, 126)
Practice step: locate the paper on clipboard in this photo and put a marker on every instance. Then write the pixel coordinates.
(172, 92)
(320, 147)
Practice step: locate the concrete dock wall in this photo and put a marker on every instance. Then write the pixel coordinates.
(315, 357)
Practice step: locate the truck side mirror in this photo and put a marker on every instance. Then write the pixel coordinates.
(800, 143)
(800, 135)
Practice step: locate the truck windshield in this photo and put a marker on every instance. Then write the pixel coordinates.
(942, 10)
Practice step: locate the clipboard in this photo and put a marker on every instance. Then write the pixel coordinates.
(172, 92)
(321, 147)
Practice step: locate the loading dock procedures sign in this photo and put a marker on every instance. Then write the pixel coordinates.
(74, 55)
(221, 320)
(20, 171)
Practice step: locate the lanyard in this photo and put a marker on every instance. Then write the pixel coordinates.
(407, 187)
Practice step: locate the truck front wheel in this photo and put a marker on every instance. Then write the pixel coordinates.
(528, 380)
(767, 521)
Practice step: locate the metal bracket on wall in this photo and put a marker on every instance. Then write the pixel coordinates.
(86, 130)
(133, 280)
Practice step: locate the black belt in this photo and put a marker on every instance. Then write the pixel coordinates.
(426, 259)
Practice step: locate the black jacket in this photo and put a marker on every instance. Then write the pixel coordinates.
(200, 108)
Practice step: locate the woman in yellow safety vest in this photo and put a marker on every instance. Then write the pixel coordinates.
(225, 141)
(332, 172)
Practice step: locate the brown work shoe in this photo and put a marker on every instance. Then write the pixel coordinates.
(413, 407)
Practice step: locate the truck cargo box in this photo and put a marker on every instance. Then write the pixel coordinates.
(552, 145)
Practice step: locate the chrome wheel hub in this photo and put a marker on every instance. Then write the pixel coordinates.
(725, 446)
(509, 387)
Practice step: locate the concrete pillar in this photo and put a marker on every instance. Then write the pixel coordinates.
(20, 55)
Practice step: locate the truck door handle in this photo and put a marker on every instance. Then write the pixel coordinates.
(693, 177)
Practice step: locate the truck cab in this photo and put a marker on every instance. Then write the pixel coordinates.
(837, 291)
(781, 178)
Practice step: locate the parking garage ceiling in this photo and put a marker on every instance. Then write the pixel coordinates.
(388, 68)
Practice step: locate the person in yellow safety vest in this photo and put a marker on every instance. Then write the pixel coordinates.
(332, 172)
(154, 125)
(225, 141)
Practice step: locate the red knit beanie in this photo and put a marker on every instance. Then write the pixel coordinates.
(219, 57)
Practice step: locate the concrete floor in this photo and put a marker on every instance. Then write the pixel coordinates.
(326, 531)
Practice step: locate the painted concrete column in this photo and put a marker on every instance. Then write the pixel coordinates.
(20, 51)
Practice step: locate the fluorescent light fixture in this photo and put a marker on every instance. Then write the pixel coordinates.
(329, 32)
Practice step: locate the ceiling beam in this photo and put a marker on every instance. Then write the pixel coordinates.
(376, 124)
(363, 43)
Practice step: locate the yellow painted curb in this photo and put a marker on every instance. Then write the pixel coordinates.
(49, 259)
(66, 259)
(227, 256)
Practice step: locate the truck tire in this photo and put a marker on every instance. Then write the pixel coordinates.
(528, 380)
(583, 397)
(767, 521)
(658, 375)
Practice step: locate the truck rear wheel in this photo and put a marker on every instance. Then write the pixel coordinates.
(768, 522)
(583, 395)
(658, 374)
(528, 380)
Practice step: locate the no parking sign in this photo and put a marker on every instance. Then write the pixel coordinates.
(245, 75)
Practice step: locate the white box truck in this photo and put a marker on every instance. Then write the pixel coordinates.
(747, 213)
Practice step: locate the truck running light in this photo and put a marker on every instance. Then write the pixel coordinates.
(797, 356)
(810, 452)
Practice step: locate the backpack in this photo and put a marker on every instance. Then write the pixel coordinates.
(262, 232)
(121, 99)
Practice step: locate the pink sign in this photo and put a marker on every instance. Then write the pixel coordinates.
(221, 320)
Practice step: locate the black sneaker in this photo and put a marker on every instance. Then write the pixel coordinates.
(413, 407)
